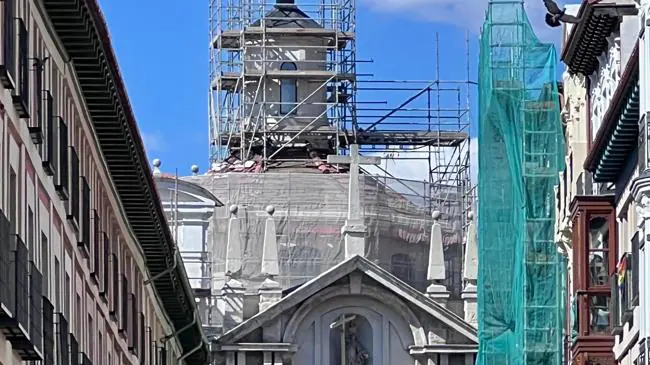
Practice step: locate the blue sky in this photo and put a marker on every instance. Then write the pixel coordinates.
(162, 48)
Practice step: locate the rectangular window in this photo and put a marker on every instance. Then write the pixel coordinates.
(73, 203)
(90, 339)
(142, 338)
(78, 316)
(45, 263)
(635, 270)
(95, 268)
(84, 239)
(20, 97)
(100, 348)
(133, 324)
(13, 203)
(49, 145)
(599, 315)
(104, 280)
(63, 332)
(124, 306)
(57, 284)
(62, 162)
(598, 251)
(30, 233)
(67, 296)
(8, 63)
(36, 122)
(48, 332)
(115, 286)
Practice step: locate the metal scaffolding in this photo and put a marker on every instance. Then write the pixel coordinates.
(433, 121)
(402, 121)
(520, 277)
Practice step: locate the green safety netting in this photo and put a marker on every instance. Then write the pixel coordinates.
(521, 282)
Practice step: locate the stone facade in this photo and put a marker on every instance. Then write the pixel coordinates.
(601, 188)
(74, 277)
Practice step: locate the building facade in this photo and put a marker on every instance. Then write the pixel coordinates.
(600, 190)
(88, 273)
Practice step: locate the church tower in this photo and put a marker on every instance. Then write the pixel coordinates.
(282, 80)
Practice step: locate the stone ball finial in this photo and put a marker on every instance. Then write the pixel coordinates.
(270, 209)
(195, 169)
(157, 162)
(470, 215)
(233, 209)
(435, 215)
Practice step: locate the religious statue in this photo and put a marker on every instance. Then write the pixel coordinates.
(355, 354)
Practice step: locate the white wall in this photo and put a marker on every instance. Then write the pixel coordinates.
(309, 55)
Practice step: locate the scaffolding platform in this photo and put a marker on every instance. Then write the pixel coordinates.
(372, 138)
(231, 80)
(232, 39)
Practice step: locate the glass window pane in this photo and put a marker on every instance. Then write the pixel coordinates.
(598, 268)
(598, 233)
(599, 322)
(288, 90)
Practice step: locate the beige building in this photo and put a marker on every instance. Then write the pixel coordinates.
(89, 273)
(602, 191)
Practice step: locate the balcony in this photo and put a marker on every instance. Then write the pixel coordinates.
(21, 329)
(85, 360)
(48, 333)
(5, 253)
(594, 257)
(74, 350)
(63, 340)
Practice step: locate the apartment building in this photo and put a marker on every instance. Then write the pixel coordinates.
(89, 273)
(599, 223)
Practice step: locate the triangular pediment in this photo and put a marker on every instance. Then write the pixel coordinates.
(354, 271)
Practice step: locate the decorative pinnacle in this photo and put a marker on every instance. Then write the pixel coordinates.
(270, 209)
(156, 166)
(233, 209)
(195, 169)
(435, 215)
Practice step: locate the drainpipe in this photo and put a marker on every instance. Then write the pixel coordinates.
(164, 339)
(197, 348)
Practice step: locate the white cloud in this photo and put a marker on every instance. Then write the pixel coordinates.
(466, 14)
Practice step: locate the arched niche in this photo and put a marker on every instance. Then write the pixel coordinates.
(394, 326)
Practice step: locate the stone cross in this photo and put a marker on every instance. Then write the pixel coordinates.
(355, 229)
(341, 322)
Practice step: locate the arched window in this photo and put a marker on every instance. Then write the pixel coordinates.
(288, 90)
